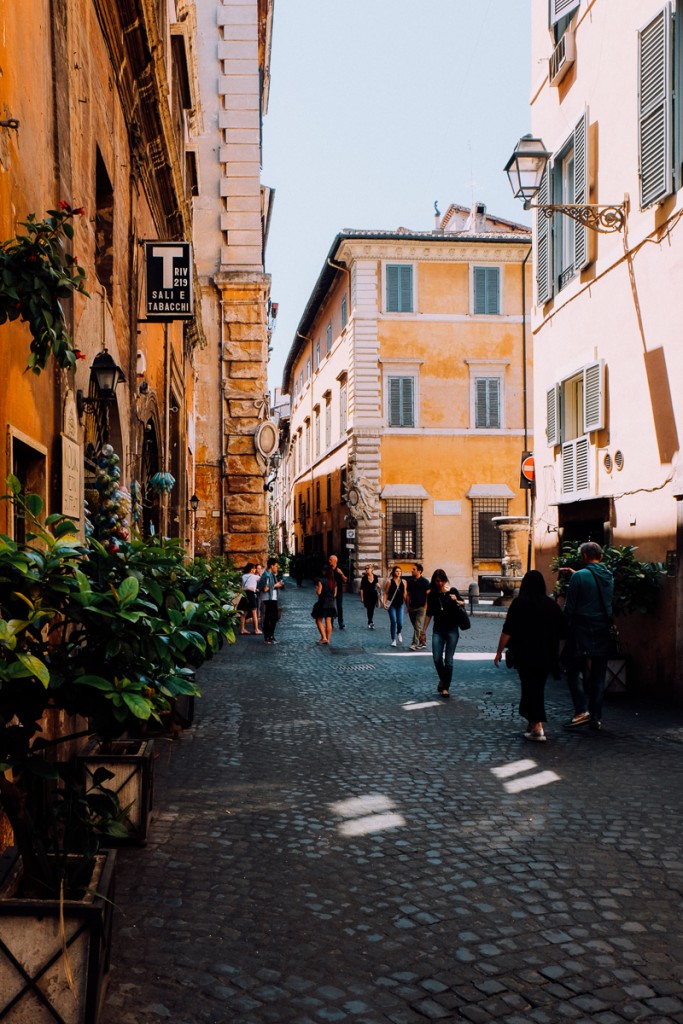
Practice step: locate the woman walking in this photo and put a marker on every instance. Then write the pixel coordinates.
(249, 581)
(443, 605)
(531, 632)
(369, 593)
(325, 608)
(394, 602)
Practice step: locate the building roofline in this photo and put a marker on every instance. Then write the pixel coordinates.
(329, 272)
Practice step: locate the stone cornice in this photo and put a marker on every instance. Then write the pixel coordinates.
(494, 251)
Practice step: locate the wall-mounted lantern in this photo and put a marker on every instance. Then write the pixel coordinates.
(106, 375)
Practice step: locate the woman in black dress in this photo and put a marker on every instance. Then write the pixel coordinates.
(325, 608)
(369, 593)
(532, 631)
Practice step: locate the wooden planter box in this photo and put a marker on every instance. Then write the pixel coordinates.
(33, 985)
(132, 765)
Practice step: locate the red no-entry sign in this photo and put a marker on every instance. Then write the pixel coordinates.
(527, 470)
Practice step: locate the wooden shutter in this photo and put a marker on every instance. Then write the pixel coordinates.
(392, 289)
(594, 396)
(486, 291)
(568, 461)
(487, 402)
(544, 266)
(581, 259)
(582, 470)
(394, 401)
(553, 416)
(407, 413)
(655, 73)
(560, 8)
(405, 289)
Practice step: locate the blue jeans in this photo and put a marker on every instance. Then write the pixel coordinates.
(443, 649)
(396, 619)
(586, 678)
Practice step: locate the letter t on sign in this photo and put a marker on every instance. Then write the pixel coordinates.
(167, 254)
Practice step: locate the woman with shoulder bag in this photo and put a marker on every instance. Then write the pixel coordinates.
(394, 602)
(447, 608)
(531, 633)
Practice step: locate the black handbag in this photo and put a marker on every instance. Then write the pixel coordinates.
(509, 658)
(463, 618)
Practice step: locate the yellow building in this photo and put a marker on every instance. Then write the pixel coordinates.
(606, 322)
(407, 380)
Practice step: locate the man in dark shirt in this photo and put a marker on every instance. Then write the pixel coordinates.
(417, 606)
(340, 580)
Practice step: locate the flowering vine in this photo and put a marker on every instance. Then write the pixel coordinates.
(36, 272)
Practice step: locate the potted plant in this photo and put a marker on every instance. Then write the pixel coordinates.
(636, 590)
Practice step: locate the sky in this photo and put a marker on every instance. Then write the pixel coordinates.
(379, 108)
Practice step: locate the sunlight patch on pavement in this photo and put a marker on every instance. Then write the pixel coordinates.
(371, 823)
(513, 768)
(357, 805)
(410, 706)
(530, 782)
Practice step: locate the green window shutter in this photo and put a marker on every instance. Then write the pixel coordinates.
(581, 258)
(654, 108)
(407, 415)
(594, 396)
(343, 313)
(401, 402)
(487, 291)
(392, 289)
(560, 8)
(544, 277)
(487, 403)
(405, 299)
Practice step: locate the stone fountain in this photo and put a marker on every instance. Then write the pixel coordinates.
(511, 564)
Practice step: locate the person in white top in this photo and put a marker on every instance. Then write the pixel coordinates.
(249, 581)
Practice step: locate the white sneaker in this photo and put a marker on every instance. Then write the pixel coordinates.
(399, 638)
(393, 643)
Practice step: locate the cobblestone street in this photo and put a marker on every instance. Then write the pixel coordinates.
(331, 843)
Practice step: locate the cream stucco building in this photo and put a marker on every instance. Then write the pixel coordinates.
(608, 307)
(407, 384)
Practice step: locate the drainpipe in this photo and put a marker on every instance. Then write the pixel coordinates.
(528, 500)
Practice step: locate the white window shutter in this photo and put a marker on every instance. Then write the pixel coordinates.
(568, 463)
(581, 258)
(560, 8)
(655, 75)
(553, 417)
(594, 396)
(544, 277)
(582, 469)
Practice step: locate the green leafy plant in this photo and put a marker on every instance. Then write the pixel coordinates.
(636, 584)
(36, 273)
(110, 636)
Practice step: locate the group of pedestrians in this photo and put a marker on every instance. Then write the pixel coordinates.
(259, 603)
(535, 627)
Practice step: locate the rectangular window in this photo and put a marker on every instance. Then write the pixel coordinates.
(486, 286)
(343, 410)
(655, 103)
(487, 541)
(401, 401)
(317, 495)
(328, 423)
(399, 288)
(308, 370)
(487, 402)
(576, 405)
(301, 381)
(343, 313)
(317, 433)
(329, 337)
(562, 11)
(329, 492)
(404, 529)
(317, 355)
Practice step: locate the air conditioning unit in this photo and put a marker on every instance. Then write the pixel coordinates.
(563, 56)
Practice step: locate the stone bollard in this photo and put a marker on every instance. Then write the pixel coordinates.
(473, 594)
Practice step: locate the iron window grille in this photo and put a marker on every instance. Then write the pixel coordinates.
(403, 529)
(487, 541)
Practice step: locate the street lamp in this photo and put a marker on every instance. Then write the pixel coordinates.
(106, 374)
(525, 170)
(194, 505)
(272, 465)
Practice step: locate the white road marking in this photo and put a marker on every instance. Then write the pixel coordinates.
(530, 782)
(423, 704)
(362, 805)
(514, 768)
(371, 823)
